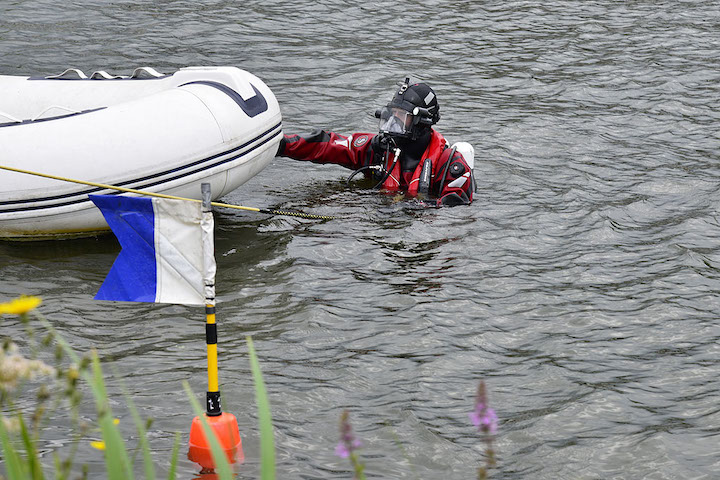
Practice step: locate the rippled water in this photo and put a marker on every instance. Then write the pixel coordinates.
(582, 285)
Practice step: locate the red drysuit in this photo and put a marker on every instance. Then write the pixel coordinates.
(451, 181)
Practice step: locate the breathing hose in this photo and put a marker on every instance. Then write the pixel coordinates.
(362, 169)
(388, 172)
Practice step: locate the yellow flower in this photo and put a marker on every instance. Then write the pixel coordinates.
(100, 445)
(20, 305)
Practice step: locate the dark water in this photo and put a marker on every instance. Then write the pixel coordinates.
(583, 283)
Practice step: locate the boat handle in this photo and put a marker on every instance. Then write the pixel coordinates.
(54, 106)
(10, 117)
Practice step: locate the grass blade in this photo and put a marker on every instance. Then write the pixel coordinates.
(117, 461)
(174, 458)
(33, 462)
(14, 466)
(142, 437)
(267, 442)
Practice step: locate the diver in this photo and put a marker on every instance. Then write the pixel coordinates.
(406, 155)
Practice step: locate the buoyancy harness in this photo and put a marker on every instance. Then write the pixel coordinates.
(432, 152)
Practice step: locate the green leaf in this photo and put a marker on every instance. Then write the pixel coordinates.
(174, 457)
(33, 462)
(144, 444)
(117, 461)
(14, 466)
(267, 442)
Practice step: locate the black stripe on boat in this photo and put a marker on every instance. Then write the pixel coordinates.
(274, 131)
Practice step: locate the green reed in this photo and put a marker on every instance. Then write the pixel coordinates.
(19, 440)
(20, 455)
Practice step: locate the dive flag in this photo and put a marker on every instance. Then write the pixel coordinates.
(167, 250)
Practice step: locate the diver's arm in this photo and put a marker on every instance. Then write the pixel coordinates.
(320, 146)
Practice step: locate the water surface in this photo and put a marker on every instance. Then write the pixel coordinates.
(582, 284)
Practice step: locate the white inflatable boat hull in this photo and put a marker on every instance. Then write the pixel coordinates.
(165, 134)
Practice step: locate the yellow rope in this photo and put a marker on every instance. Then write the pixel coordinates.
(162, 195)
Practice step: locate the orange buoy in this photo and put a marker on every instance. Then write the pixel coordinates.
(227, 433)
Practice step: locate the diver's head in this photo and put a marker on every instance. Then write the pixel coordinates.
(411, 112)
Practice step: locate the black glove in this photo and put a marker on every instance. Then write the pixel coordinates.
(380, 143)
(281, 148)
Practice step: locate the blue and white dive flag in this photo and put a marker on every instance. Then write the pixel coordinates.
(167, 251)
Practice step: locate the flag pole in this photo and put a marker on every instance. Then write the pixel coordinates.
(223, 424)
(214, 407)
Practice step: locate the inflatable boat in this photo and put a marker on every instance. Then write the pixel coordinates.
(145, 131)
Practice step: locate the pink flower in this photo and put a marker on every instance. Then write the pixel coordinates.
(348, 443)
(344, 450)
(483, 417)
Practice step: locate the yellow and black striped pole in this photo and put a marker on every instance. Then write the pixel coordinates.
(214, 407)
